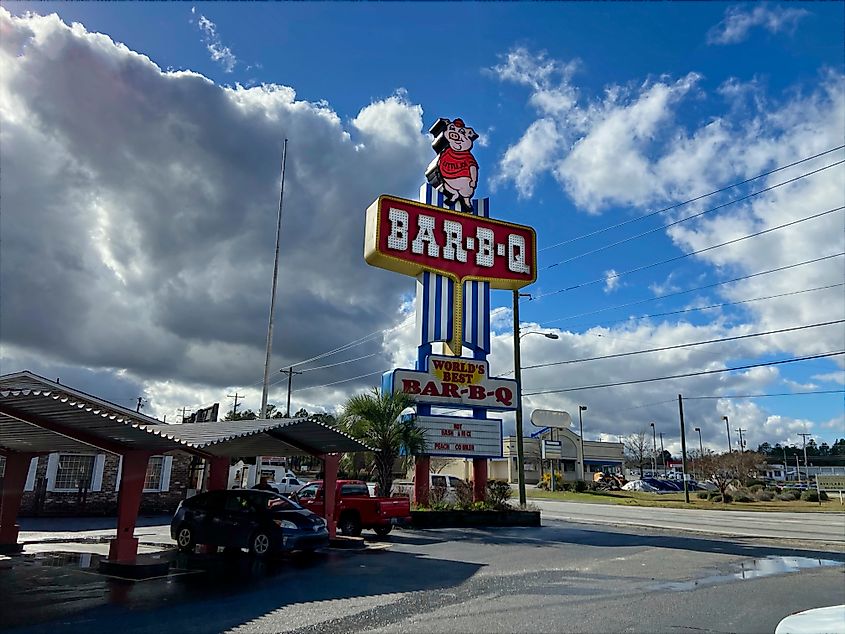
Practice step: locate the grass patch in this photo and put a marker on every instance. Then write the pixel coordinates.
(676, 501)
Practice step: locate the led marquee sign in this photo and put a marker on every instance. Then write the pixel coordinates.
(454, 436)
(410, 237)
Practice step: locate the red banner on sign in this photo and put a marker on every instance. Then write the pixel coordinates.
(410, 237)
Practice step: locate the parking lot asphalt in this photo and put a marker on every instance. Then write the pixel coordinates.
(562, 577)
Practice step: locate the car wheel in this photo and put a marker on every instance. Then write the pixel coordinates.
(349, 524)
(260, 545)
(383, 531)
(185, 539)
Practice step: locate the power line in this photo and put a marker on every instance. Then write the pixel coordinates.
(708, 307)
(691, 200)
(732, 396)
(354, 378)
(697, 288)
(691, 253)
(699, 214)
(687, 374)
(683, 345)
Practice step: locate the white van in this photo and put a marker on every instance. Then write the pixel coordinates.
(447, 482)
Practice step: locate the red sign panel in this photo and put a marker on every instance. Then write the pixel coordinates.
(410, 237)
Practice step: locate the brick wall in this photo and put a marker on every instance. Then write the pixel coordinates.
(104, 501)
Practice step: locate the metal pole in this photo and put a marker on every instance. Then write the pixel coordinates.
(653, 452)
(728, 427)
(741, 441)
(266, 387)
(581, 408)
(798, 468)
(290, 380)
(662, 454)
(520, 455)
(683, 447)
(785, 465)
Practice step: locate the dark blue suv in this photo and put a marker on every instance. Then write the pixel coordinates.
(262, 521)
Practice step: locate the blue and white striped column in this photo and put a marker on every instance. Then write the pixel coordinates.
(435, 295)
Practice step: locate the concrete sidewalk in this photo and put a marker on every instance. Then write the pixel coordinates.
(39, 532)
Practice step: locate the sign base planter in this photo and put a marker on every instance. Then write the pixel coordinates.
(473, 519)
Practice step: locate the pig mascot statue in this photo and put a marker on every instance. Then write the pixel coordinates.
(455, 170)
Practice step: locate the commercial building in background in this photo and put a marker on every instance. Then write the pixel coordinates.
(598, 456)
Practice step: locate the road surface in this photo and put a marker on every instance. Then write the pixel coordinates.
(816, 527)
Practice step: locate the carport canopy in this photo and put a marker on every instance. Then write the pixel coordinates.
(40, 416)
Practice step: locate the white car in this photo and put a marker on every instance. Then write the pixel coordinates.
(820, 620)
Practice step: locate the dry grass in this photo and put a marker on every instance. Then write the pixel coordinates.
(676, 501)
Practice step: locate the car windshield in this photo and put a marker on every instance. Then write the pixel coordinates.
(281, 503)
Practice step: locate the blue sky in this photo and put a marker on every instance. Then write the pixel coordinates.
(589, 114)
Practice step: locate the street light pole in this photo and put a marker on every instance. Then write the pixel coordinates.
(517, 370)
(653, 452)
(662, 454)
(582, 408)
(700, 447)
(683, 447)
(728, 428)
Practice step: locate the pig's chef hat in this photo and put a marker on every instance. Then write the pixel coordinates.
(459, 123)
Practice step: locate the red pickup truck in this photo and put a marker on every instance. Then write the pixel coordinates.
(355, 509)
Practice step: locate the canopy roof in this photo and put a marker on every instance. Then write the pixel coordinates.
(38, 415)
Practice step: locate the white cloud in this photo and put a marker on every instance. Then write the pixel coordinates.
(740, 20)
(219, 52)
(138, 223)
(831, 377)
(611, 281)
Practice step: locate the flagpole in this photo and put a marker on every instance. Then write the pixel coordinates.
(273, 292)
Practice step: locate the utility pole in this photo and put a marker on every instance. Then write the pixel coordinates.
(662, 454)
(683, 447)
(728, 428)
(520, 452)
(184, 411)
(785, 465)
(741, 441)
(798, 468)
(582, 408)
(290, 372)
(140, 404)
(235, 396)
(804, 436)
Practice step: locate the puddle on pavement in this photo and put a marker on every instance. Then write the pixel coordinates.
(754, 569)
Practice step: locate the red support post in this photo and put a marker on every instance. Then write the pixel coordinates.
(124, 548)
(331, 461)
(17, 466)
(479, 479)
(218, 476)
(422, 477)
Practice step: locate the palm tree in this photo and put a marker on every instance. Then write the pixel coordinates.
(374, 419)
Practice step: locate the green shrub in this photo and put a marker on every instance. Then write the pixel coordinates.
(753, 482)
(580, 486)
(755, 488)
(823, 496)
(793, 494)
(463, 494)
(703, 495)
(810, 496)
(785, 497)
(499, 494)
(743, 496)
(481, 505)
(720, 499)
(567, 485)
(765, 496)
(713, 495)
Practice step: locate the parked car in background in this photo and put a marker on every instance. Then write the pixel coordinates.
(355, 508)
(262, 521)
